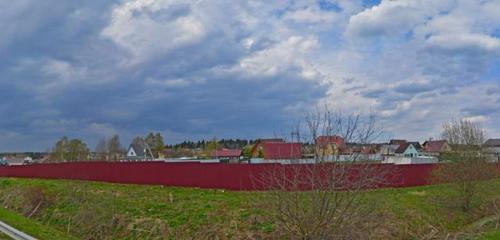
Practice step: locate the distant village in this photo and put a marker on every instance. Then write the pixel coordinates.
(272, 150)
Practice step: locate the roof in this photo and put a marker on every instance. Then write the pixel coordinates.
(402, 147)
(14, 160)
(434, 146)
(390, 146)
(138, 149)
(397, 141)
(281, 150)
(325, 140)
(492, 142)
(226, 153)
(263, 140)
(362, 148)
(416, 145)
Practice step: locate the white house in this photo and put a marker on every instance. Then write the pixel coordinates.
(492, 148)
(406, 150)
(138, 152)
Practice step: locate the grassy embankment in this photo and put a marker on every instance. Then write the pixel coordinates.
(92, 210)
(29, 226)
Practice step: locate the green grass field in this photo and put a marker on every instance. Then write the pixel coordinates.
(93, 210)
(31, 227)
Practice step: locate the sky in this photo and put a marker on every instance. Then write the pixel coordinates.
(241, 69)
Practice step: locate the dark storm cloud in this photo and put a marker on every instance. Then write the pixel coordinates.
(61, 77)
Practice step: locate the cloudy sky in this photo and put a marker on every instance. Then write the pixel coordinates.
(248, 69)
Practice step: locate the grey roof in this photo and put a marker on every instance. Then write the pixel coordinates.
(138, 149)
(416, 145)
(493, 142)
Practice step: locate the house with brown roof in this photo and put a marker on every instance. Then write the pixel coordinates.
(227, 154)
(435, 147)
(407, 150)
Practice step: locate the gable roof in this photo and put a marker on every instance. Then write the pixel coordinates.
(402, 147)
(326, 140)
(493, 142)
(416, 145)
(138, 149)
(226, 153)
(281, 150)
(397, 141)
(434, 146)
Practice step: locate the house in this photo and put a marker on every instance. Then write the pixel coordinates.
(329, 146)
(492, 149)
(408, 153)
(282, 150)
(17, 160)
(229, 154)
(406, 150)
(138, 152)
(337, 141)
(417, 145)
(258, 147)
(388, 149)
(493, 144)
(397, 141)
(360, 152)
(360, 148)
(435, 147)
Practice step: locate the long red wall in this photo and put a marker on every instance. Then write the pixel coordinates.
(203, 175)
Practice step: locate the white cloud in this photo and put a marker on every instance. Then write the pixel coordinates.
(150, 28)
(311, 15)
(281, 58)
(465, 42)
(416, 63)
(393, 18)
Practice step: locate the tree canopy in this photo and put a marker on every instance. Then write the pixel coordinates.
(69, 150)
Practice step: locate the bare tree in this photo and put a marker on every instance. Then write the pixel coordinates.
(465, 167)
(101, 149)
(324, 200)
(115, 148)
(463, 132)
(110, 149)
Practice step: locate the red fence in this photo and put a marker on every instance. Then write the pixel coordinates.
(203, 175)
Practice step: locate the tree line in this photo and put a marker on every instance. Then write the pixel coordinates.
(222, 143)
(107, 149)
(112, 149)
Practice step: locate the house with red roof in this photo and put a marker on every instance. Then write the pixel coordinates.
(328, 147)
(282, 150)
(435, 147)
(229, 154)
(276, 148)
